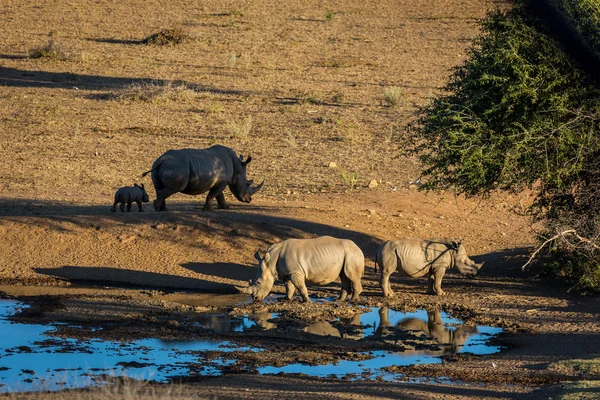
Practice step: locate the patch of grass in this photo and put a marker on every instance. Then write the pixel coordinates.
(50, 51)
(587, 368)
(156, 92)
(235, 13)
(349, 130)
(329, 15)
(290, 139)
(232, 60)
(239, 130)
(349, 179)
(167, 36)
(337, 97)
(393, 96)
(582, 390)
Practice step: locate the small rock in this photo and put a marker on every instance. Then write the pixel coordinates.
(373, 184)
(332, 165)
(371, 212)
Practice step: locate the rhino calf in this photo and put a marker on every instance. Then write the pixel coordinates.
(416, 258)
(128, 195)
(318, 261)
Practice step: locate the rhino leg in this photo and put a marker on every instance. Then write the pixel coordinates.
(114, 207)
(214, 192)
(221, 201)
(122, 207)
(435, 282)
(129, 206)
(385, 283)
(346, 287)
(298, 281)
(430, 283)
(161, 196)
(356, 290)
(289, 289)
(139, 204)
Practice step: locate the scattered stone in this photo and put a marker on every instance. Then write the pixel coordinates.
(373, 184)
(332, 165)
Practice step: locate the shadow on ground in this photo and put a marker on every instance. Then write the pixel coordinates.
(65, 80)
(132, 279)
(222, 270)
(247, 221)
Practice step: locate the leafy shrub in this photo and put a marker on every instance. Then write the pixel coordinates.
(521, 113)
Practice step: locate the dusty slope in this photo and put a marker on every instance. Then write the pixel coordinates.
(312, 78)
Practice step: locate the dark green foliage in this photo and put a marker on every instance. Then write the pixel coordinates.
(582, 19)
(575, 270)
(520, 113)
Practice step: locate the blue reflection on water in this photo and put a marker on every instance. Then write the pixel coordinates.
(31, 359)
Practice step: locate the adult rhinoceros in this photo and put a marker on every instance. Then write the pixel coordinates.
(195, 171)
(416, 258)
(319, 261)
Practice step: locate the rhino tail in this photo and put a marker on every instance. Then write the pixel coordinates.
(153, 169)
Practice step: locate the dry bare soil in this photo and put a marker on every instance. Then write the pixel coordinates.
(301, 86)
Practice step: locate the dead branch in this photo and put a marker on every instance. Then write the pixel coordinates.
(561, 234)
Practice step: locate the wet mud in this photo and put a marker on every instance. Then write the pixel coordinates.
(75, 338)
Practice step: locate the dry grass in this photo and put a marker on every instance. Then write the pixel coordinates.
(156, 92)
(393, 96)
(300, 72)
(167, 37)
(50, 51)
(239, 129)
(116, 388)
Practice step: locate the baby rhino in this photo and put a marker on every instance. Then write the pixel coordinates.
(130, 194)
(416, 258)
(318, 261)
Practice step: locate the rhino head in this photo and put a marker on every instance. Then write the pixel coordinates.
(240, 186)
(145, 197)
(265, 278)
(465, 265)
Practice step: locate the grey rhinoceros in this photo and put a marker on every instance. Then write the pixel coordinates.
(195, 171)
(416, 258)
(128, 195)
(319, 261)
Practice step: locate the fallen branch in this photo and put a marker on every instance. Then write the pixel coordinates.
(561, 234)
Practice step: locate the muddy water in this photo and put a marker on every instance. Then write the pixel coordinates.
(31, 358)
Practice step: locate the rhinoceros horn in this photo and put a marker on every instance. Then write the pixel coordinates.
(255, 188)
(245, 290)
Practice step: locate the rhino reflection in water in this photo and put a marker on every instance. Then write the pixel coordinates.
(324, 328)
(452, 340)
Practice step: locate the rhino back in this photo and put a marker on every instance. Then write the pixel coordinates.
(419, 257)
(127, 194)
(320, 259)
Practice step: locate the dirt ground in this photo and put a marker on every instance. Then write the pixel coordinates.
(301, 87)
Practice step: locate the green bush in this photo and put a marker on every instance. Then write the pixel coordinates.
(521, 113)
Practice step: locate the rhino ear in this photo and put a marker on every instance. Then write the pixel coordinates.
(455, 244)
(247, 160)
(257, 256)
(267, 257)
(143, 186)
(136, 185)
